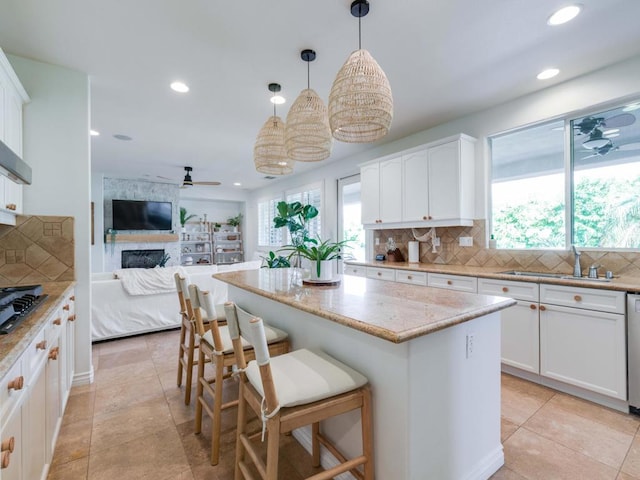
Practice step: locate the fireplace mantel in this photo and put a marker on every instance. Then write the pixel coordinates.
(142, 238)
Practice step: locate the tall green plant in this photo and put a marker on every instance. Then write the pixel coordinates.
(317, 250)
(295, 217)
(184, 218)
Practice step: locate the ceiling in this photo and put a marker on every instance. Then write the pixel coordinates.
(444, 60)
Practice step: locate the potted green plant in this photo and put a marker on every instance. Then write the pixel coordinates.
(235, 221)
(275, 261)
(295, 217)
(320, 253)
(184, 217)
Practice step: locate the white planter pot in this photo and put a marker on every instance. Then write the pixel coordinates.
(326, 270)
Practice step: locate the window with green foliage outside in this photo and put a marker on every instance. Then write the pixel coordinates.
(531, 198)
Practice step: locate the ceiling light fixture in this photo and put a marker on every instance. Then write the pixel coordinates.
(564, 15)
(269, 154)
(237, 184)
(94, 133)
(179, 87)
(548, 73)
(307, 135)
(360, 102)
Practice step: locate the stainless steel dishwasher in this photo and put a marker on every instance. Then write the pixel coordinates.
(633, 350)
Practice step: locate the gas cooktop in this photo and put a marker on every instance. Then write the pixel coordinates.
(17, 303)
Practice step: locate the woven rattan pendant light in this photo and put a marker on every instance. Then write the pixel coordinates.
(360, 102)
(269, 154)
(307, 135)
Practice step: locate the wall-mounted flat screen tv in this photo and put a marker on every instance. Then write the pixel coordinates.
(141, 215)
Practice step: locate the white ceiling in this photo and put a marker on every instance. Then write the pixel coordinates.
(444, 59)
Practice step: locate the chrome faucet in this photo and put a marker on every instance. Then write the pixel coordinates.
(577, 270)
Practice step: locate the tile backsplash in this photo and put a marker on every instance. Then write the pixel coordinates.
(38, 249)
(451, 253)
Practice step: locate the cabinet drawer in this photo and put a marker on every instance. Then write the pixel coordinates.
(518, 290)
(10, 396)
(381, 273)
(357, 270)
(414, 278)
(35, 355)
(453, 282)
(587, 298)
(54, 326)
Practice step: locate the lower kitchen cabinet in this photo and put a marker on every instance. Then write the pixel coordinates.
(460, 283)
(12, 446)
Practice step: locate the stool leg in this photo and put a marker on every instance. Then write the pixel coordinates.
(273, 447)
(200, 391)
(192, 341)
(217, 411)
(181, 352)
(241, 430)
(367, 433)
(315, 444)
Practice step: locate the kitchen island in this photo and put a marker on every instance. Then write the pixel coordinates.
(432, 357)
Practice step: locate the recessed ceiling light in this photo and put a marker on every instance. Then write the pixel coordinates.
(564, 15)
(548, 73)
(179, 87)
(94, 133)
(119, 136)
(278, 99)
(631, 108)
(237, 184)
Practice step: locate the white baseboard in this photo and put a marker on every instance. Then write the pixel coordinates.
(327, 460)
(84, 378)
(489, 466)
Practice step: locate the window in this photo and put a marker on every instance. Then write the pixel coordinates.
(532, 201)
(268, 236)
(311, 195)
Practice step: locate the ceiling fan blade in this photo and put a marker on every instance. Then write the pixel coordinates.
(622, 120)
(214, 184)
(630, 146)
(589, 156)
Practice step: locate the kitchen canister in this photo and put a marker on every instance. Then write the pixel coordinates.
(414, 252)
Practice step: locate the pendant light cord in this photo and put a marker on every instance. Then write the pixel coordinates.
(360, 27)
(308, 84)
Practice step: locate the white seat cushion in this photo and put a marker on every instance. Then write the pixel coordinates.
(306, 376)
(273, 335)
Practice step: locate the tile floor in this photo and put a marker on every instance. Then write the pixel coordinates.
(131, 423)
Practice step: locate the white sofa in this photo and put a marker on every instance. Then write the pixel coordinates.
(115, 313)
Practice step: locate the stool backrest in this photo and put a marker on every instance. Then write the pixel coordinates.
(202, 302)
(186, 307)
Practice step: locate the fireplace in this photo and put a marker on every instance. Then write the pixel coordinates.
(141, 258)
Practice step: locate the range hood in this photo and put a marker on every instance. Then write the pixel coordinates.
(17, 168)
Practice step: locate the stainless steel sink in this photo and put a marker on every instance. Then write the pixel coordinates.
(563, 276)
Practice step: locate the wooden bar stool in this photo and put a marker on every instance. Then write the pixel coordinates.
(215, 347)
(187, 352)
(299, 388)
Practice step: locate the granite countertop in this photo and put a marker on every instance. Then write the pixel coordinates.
(395, 314)
(16, 342)
(620, 283)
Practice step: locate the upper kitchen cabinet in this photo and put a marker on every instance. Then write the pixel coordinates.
(431, 185)
(12, 97)
(381, 187)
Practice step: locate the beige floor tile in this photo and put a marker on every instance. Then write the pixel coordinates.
(519, 404)
(79, 407)
(506, 474)
(581, 434)
(507, 428)
(121, 345)
(631, 465)
(76, 470)
(124, 425)
(622, 422)
(180, 412)
(624, 476)
(74, 441)
(537, 458)
(116, 397)
(154, 457)
(107, 377)
(82, 389)
(126, 357)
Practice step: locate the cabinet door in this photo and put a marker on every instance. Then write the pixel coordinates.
(453, 282)
(584, 348)
(13, 123)
(12, 196)
(444, 181)
(521, 336)
(415, 194)
(391, 190)
(52, 396)
(370, 193)
(13, 428)
(35, 428)
(3, 94)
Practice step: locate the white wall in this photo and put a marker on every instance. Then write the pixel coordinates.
(56, 146)
(616, 83)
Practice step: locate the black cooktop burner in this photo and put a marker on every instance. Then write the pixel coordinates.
(17, 303)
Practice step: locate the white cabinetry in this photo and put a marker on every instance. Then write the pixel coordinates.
(582, 338)
(520, 340)
(12, 97)
(453, 282)
(413, 278)
(196, 248)
(430, 185)
(381, 187)
(381, 273)
(227, 246)
(355, 270)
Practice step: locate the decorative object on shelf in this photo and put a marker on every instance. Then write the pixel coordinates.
(393, 253)
(360, 102)
(184, 217)
(235, 221)
(269, 153)
(307, 135)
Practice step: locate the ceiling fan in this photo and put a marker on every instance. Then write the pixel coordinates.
(188, 181)
(589, 125)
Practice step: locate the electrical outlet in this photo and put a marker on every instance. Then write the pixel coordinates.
(436, 242)
(377, 240)
(470, 344)
(466, 241)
